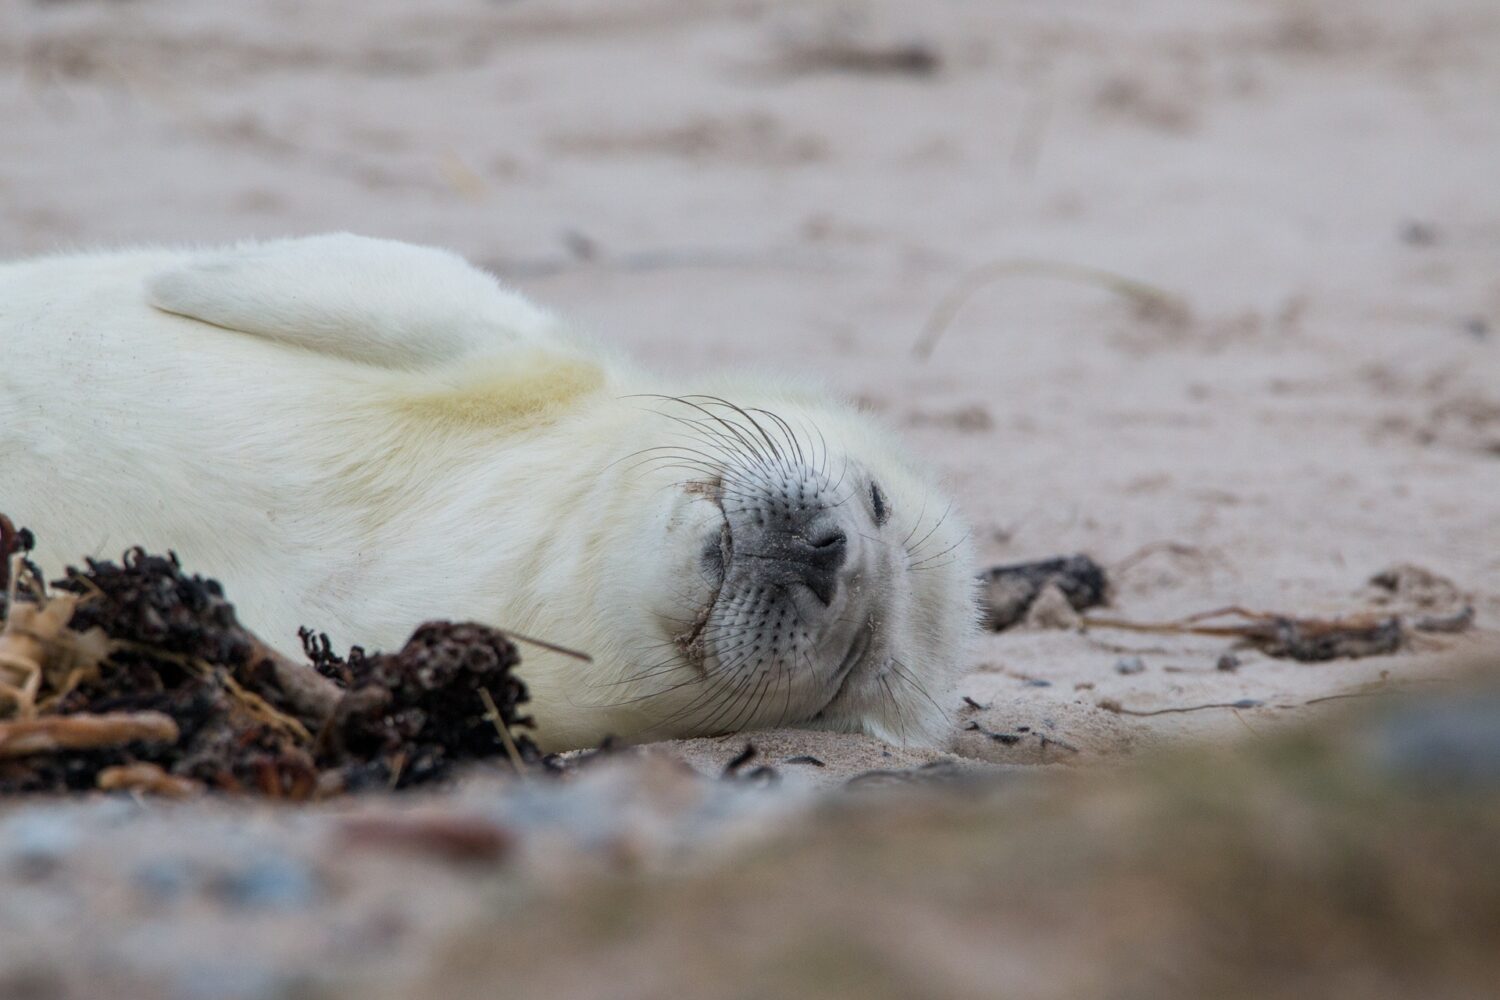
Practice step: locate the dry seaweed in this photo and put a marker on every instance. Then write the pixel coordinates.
(135, 675)
(1310, 640)
(1008, 739)
(912, 58)
(409, 716)
(735, 770)
(23, 737)
(572, 761)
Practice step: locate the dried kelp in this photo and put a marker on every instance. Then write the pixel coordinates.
(1310, 640)
(137, 675)
(408, 716)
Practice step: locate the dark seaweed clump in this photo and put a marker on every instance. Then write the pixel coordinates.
(409, 716)
(252, 721)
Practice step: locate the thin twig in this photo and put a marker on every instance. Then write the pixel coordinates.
(543, 644)
(1110, 705)
(253, 703)
(492, 713)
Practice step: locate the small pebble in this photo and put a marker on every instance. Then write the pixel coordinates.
(805, 759)
(38, 842)
(1007, 739)
(1418, 234)
(1037, 682)
(164, 878)
(1228, 663)
(271, 883)
(1446, 742)
(1130, 665)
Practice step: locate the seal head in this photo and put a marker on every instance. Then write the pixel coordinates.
(806, 573)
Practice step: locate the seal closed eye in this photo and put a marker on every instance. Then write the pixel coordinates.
(361, 435)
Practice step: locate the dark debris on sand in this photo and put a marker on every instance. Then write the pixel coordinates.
(118, 650)
(1008, 592)
(409, 715)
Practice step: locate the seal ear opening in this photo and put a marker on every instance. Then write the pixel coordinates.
(524, 388)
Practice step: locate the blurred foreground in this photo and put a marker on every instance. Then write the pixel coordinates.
(1352, 858)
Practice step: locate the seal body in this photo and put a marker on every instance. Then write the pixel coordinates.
(359, 435)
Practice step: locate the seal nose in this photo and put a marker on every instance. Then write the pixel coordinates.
(817, 561)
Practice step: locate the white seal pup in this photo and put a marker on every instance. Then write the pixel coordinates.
(360, 435)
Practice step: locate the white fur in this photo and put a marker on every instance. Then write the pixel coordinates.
(359, 435)
(377, 301)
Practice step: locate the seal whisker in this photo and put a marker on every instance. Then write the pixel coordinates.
(916, 524)
(704, 432)
(902, 672)
(786, 703)
(786, 432)
(770, 442)
(938, 555)
(730, 426)
(823, 441)
(720, 653)
(843, 471)
(914, 549)
(874, 540)
(723, 682)
(714, 435)
(896, 704)
(699, 461)
(746, 693)
(934, 568)
(639, 453)
(652, 694)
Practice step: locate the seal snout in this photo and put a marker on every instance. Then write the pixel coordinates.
(801, 549)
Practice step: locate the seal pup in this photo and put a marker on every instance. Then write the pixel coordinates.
(361, 434)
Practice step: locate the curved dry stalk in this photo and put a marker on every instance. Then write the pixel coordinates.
(22, 737)
(1150, 301)
(253, 703)
(150, 779)
(30, 632)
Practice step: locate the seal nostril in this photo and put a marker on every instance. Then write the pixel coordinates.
(834, 538)
(819, 562)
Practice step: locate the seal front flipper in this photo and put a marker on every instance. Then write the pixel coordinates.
(380, 302)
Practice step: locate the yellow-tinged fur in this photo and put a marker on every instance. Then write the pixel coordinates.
(524, 389)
